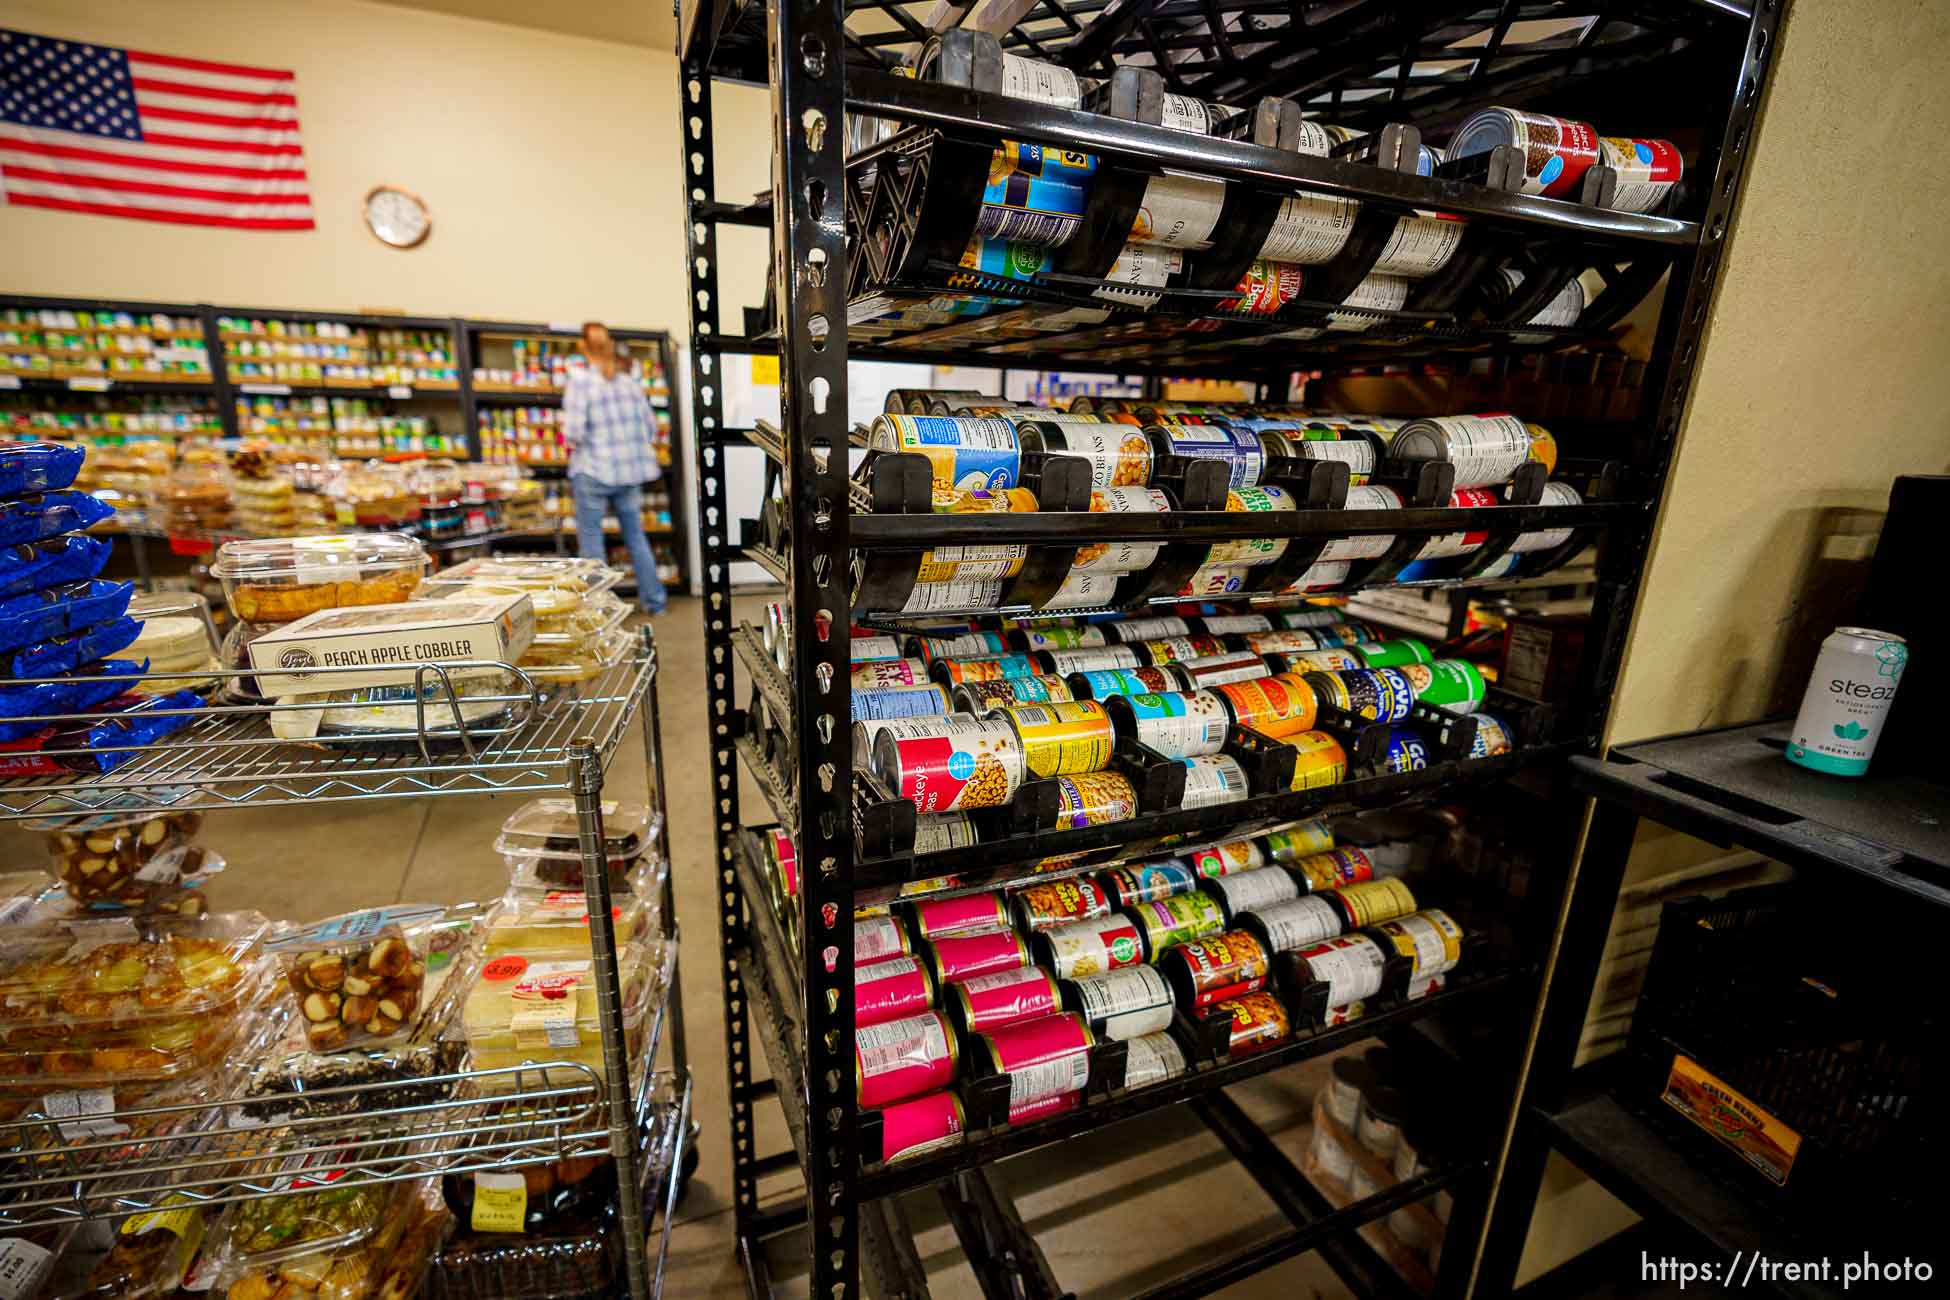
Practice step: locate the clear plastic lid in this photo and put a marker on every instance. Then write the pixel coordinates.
(541, 1004)
(557, 921)
(549, 825)
(533, 878)
(29, 1257)
(335, 557)
(584, 625)
(123, 972)
(19, 892)
(550, 601)
(359, 978)
(151, 1253)
(561, 665)
(544, 571)
(388, 1262)
(326, 1210)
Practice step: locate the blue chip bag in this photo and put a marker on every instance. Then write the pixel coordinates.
(57, 611)
(34, 566)
(66, 653)
(33, 518)
(139, 724)
(37, 467)
(23, 707)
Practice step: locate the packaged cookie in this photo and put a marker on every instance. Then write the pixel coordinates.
(357, 978)
(280, 580)
(539, 841)
(131, 860)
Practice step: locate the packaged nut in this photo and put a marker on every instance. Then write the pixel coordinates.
(119, 860)
(358, 979)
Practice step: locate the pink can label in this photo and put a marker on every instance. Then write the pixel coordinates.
(903, 1058)
(1033, 1042)
(1043, 1107)
(970, 914)
(890, 989)
(912, 1128)
(964, 956)
(992, 1001)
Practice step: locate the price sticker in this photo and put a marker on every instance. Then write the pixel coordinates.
(84, 1114)
(500, 1203)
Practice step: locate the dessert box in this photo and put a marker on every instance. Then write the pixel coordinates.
(382, 643)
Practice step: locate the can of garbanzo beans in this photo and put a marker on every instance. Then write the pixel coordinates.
(1062, 738)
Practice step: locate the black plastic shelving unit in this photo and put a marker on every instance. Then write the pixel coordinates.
(849, 248)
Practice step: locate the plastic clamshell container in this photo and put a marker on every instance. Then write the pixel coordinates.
(126, 859)
(561, 665)
(125, 999)
(541, 1007)
(557, 921)
(151, 1253)
(590, 620)
(552, 602)
(549, 826)
(30, 1257)
(20, 891)
(282, 579)
(391, 1262)
(359, 978)
(643, 883)
(316, 1215)
(538, 571)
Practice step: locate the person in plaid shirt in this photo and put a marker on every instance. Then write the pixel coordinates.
(607, 421)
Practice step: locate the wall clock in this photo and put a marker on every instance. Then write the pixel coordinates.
(397, 217)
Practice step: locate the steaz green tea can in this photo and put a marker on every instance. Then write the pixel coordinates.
(1847, 701)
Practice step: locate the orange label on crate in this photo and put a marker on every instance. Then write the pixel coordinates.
(504, 968)
(1724, 1111)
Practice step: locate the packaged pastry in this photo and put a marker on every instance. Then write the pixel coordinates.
(563, 665)
(151, 1253)
(280, 580)
(123, 859)
(88, 688)
(317, 1217)
(390, 1264)
(379, 644)
(29, 1258)
(357, 978)
(196, 497)
(541, 1006)
(178, 636)
(554, 603)
(557, 921)
(60, 610)
(480, 707)
(587, 576)
(36, 566)
(21, 893)
(539, 841)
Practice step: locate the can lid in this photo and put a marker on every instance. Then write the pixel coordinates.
(1868, 633)
(1353, 1072)
(1385, 1103)
(1380, 1061)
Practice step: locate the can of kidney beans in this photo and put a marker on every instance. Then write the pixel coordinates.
(980, 697)
(1128, 630)
(1093, 798)
(1103, 683)
(1145, 881)
(986, 668)
(878, 938)
(1299, 923)
(1165, 923)
(1217, 669)
(891, 990)
(1056, 637)
(1061, 739)
(1336, 867)
(1213, 779)
(1214, 969)
(1044, 1057)
(941, 764)
(1089, 947)
(960, 957)
(904, 1058)
(1176, 725)
(1377, 694)
(1297, 841)
(992, 1001)
(1254, 1022)
(1272, 706)
(1122, 1004)
(1174, 649)
(936, 918)
(1372, 901)
(1350, 965)
(1226, 857)
(1152, 1059)
(1431, 938)
(1052, 903)
(1249, 891)
(913, 1128)
(879, 673)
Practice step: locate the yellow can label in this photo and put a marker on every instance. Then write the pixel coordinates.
(1318, 760)
(1063, 737)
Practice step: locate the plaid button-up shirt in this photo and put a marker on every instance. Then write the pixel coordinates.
(608, 424)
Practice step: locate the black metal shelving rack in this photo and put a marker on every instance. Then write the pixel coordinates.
(1707, 60)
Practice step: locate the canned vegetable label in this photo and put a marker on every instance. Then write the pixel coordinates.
(1217, 670)
(1180, 726)
(1244, 458)
(1299, 841)
(968, 644)
(1119, 455)
(941, 764)
(898, 702)
(1251, 551)
(877, 939)
(1309, 229)
(1224, 859)
(1149, 629)
(1104, 682)
(1091, 659)
(890, 990)
(1258, 1021)
(1373, 901)
(1327, 660)
(1172, 649)
(1221, 961)
(1111, 558)
(1093, 947)
(1334, 868)
(1349, 965)
(1298, 923)
(1453, 684)
(1377, 694)
(1061, 902)
(1264, 289)
(1213, 779)
(1168, 922)
(889, 672)
(1248, 891)
(1365, 546)
(1391, 654)
(1485, 449)
(1062, 638)
(1493, 736)
(965, 453)
(1126, 1003)
(903, 1058)
(1235, 624)
(943, 831)
(1153, 1058)
(1092, 798)
(1178, 211)
(1034, 195)
(1431, 938)
(1406, 751)
(1282, 640)
(1150, 880)
(987, 668)
(1647, 170)
(1044, 1057)
(1062, 738)
(991, 1001)
(873, 647)
(964, 956)
(1273, 706)
(910, 1129)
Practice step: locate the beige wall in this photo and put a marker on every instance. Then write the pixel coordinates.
(549, 164)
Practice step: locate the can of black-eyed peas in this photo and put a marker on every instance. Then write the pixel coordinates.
(946, 763)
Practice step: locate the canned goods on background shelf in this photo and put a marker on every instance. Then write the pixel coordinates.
(1453, 684)
(1284, 640)
(1104, 682)
(876, 939)
(982, 668)
(1346, 865)
(1044, 1057)
(1350, 965)
(1238, 449)
(1064, 738)
(1153, 1058)
(1376, 694)
(1371, 902)
(936, 918)
(864, 648)
(1216, 968)
(1485, 449)
(913, 1128)
(1255, 1022)
(1115, 558)
(1217, 669)
(1066, 663)
(1119, 454)
(1093, 798)
(1215, 582)
(1318, 761)
(1234, 624)
(880, 674)
(1557, 151)
(1049, 904)
(991, 1001)
(1176, 649)
(1226, 857)
(1273, 706)
(888, 702)
(1405, 750)
(904, 1058)
(1493, 736)
(1250, 552)
(1213, 779)
(1090, 947)
(1055, 636)
(967, 645)
(1299, 840)
(891, 990)
(965, 453)
(1129, 630)
(1142, 882)
(1165, 923)
(1358, 454)
(941, 764)
(1431, 938)
(1250, 891)
(1122, 1004)
(943, 831)
(1321, 575)
(1176, 725)
(1365, 546)
(959, 957)
(1393, 654)
(980, 697)
(1346, 632)
(1297, 923)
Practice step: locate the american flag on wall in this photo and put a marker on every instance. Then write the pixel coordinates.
(123, 133)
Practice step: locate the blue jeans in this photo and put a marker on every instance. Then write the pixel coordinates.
(593, 501)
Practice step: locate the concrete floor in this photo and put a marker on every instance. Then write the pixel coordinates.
(1115, 1211)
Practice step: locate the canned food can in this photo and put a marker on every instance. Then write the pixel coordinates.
(1364, 546)
(943, 831)
(1453, 684)
(991, 1001)
(1120, 557)
(1349, 964)
(1543, 539)
(986, 668)
(1176, 725)
(1249, 891)
(1065, 663)
(1036, 688)
(1431, 938)
(1309, 229)
(1254, 1022)
(1250, 552)
(1328, 659)
(953, 595)
(1647, 171)
(904, 1058)
(1044, 1057)
(1445, 546)
(1273, 706)
(1214, 582)
(1357, 453)
(1165, 923)
(1093, 798)
(1048, 904)
(1057, 637)
(1284, 640)
(968, 645)
(1494, 736)
(965, 574)
(1152, 1058)
(1484, 449)
(1213, 779)
(961, 957)
(1145, 881)
(913, 1128)
(1129, 630)
(1175, 649)
(1264, 289)
(877, 939)
(1119, 454)
(1218, 669)
(1370, 902)
(1406, 750)
(1378, 1124)
(1217, 968)
(936, 918)
(1310, 617)
(1557, 151)
(1376, 694)
(863, 648)
(1322, 575)
(1333, 868)
(881, 673)
(1035, 195)
(1090, 947)
(1062, 738)
(1295, 924)
(1300, 840)
(1234, 624)
(889, 702)
(1393, 654)
(1122, 1004)
(1043, 1108)
(1226, 857)
(1238, 449)
(891, 990)
(942, 764)
(965, 453)
(1084, 590)
(1105, 682)
(1330, 1160)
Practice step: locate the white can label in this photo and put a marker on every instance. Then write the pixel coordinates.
(1483, 448)
(1351, 966)
(1309, 229)
(1419, 246)
(1139, 267)
(1054, 1078)
(1365, 497)
(1083, 590)
(1087, 948)
(1330, 1157)
(876, 938)
(942, 831)
(1436, 940)
(1152, 629)
(1213, 779)
(1233, 624)
(1181, 726)
(1128, 1003)
(927, 597)
(1183, 113)
(1065, 662)
(901, 1044)
(1179, 211)
(1249, 891)
(1152, 1058)
(1046, 83)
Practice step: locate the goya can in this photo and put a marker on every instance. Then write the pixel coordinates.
(1037, 688)
(1174, 724)
(1154, 1058)
(1238, 449)
(1484, 449)
(1346, 865)
(1119, 454)
(1318, 761)
(992, 1001)
(1226, 857)
(881, 673)
(1557, 151)
(1105, 682)
(1213, 779)
(1093, 798)
(1228, 965)
(863, 648)
(878, 938)
(891, 990)
(1062, 738)
(1393, 654)
(1122, 1004)
(966, 645)
(1370, 902)
(1167, 922)
(1290, 843)
(983, 668)
(1253, 1023)
(1404, 750)
(1296, 924)
(1044, 1057)
(1493, 736)
(935, 918)
(1431, 939)
(1048, 904)
(1064, 663)
(1090, 947)
(1056, 637)
(1144, 881)
(1453, 684)
(1253, 551)
(1350, 965)
(1249, 891)
(1173, 649)
(1130, 630)
(890, 702)
(959, 957)
(941, 764)
(1218, 669)
(1272, 706)
(943, 831)
(904, 1058)
(965, 453)
(1377, 694)
(910, 1129)
(1120, 557)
